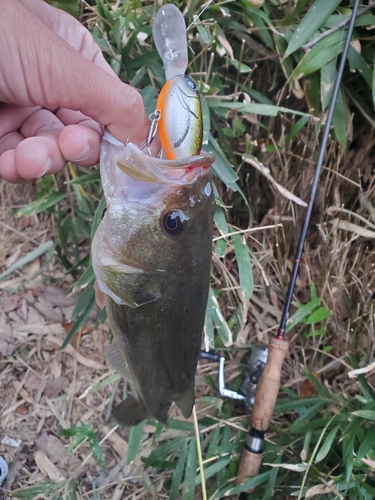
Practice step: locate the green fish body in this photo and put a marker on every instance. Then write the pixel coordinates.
(151, 256)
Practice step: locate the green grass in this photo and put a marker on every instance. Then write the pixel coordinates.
(264, 97)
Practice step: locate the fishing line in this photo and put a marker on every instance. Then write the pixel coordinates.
(199, 15)
(269, 383)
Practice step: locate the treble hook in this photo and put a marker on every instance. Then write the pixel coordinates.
(153, 128)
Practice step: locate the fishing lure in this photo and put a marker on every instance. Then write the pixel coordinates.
(180, 125)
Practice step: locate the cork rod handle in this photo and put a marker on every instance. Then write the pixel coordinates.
(265, 400)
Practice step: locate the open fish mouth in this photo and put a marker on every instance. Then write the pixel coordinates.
(142, 167)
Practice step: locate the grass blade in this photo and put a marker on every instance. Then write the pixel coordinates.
(244, 267)
(135, 437)
(310, 24)
(30, 257)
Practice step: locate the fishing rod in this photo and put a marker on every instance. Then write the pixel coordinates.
(269, 383)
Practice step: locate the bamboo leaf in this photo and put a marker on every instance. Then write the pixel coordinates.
(360, 64)
(326, 447)
(219, 320)
(327, 79)
(244, 267)
(177, 476)
(321, 54)
(310, 24)
(30, 257)
(96, 449)
(302, 312)
(367, 414)
(320, 314)
(212, 470)
(42, 203)
(135, 437)
(188, 487)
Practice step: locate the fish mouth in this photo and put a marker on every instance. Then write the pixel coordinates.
(145, 168)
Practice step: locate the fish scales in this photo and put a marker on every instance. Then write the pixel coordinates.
(151, 256)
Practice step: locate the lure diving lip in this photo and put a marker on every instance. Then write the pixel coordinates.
(170, 39)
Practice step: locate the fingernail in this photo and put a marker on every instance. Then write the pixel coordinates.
(47, 167)
(85, 154)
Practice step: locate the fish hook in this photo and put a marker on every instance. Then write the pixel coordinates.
(153, 128)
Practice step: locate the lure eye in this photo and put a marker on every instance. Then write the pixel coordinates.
(173, 222)
(191, 83)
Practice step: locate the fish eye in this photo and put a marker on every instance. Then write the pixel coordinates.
(191, 83)
(173, 222)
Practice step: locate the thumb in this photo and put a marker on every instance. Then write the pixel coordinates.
(39, 68)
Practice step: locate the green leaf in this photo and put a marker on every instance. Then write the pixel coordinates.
(367, 414)
(174, 491)
(134, 441)
(70, 490)
(219, 320)
(206, 121)
(320, 314)
(97, 216)
(241, 67)
(327, 445)
(212, 470)
(327, 80)
(341, 118)
(312, 89)
(222, 168)
(246, 486)
(37, 206)
(257, 109)
(310, 24)
(46, 488)
(244, 267)
(264, 25)
(367, 444)
(165, 450)
(316, 333)
(86, 304)
(321, 54)
(87, 277)
(347, 453)
(303, 311)
(86, 179)
(222, 225)
(204, 33)
(188, 487)
(358, 62)
(96, 449)
(30, 257)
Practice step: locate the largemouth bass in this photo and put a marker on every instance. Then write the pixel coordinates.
(151, 256)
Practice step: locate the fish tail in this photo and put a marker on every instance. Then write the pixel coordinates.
(187, 400)
(130, 412)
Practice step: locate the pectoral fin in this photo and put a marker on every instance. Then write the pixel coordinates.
(128, 285)
(117, 360)
(130, 412)
(187, 400)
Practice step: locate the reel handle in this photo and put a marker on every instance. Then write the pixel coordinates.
(265, 400)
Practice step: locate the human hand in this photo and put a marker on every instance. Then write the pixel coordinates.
(56, 93)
